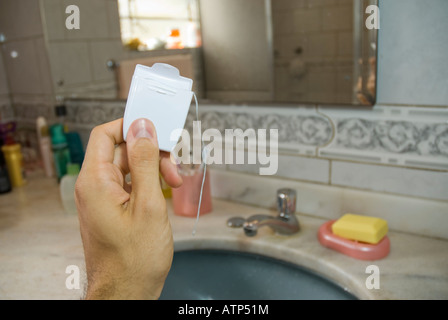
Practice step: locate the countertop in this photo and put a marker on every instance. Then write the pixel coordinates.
(38, 241)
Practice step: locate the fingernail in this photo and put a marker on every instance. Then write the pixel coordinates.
(141, 129)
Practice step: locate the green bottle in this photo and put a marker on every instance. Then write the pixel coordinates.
(60, 149)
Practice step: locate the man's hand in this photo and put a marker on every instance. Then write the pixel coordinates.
(125, 230)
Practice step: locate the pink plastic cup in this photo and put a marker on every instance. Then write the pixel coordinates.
(186, 197)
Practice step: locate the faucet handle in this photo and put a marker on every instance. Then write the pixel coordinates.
(286, 202)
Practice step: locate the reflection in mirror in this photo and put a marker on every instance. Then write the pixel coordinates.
(155, 24)
(324, 53)
(304, 51)
(237, 52)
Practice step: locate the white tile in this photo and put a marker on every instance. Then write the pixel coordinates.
(113, 19)
(403, 213)
(21, 63)
(321, 45)
(412, 182)
(93, 20)
(43, 65)
(289, 43)
(90, 90)
(245, 166)
(42, 100)
(306, 21)
(322, 83)
(54, 19)
(301, 168)
(4, 89)
(288, 5)
(283, 23)
(20, 19)
(70, 63)
(345, 44)
(337, 18)
(101, 51)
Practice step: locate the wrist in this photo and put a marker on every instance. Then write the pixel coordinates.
(122, 287)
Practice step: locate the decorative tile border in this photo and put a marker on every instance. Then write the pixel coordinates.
(415, 137)
(93, 113)
(311, 130)
(400, 136)
(6, 110)
(28, 112)
(300, 129)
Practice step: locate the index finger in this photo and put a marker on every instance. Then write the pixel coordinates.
(102, 141)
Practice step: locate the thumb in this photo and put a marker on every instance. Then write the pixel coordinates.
(143, 159)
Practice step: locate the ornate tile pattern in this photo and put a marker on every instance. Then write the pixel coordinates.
(296, 127)
(401, 136)
(92, 113)
(404, 136)
(6, 111)
(310, 130)
(28, 112)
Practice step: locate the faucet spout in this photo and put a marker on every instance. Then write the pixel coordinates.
(281, 225)
(285, 222)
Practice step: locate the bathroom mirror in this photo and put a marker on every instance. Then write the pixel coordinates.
(251, 52)
(298, 51)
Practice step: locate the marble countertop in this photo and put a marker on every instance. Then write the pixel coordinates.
(38, 241)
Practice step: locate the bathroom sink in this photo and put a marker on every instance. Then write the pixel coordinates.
(229, 275)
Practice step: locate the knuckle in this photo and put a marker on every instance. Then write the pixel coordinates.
(98, 131)
(84, 185)
(95, 131)
(79, 188)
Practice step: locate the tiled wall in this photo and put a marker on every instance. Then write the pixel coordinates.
(236, 67)
(324, 32)
(335, 146)
(78, 57)
(390, 162)
(42, 59)
(25, 63)
(398, 150)
(6, 110)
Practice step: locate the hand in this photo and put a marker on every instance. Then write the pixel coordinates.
(125, 230)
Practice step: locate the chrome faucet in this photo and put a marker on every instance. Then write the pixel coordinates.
(285, 223)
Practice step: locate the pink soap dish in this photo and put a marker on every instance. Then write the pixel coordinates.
(354, 249)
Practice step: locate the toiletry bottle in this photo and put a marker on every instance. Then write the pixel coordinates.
(61, 112)
(5, 184)
(174, 40)
(44, 141)
(14, 163)
(75, 146)
(67, 188)
(61, 153)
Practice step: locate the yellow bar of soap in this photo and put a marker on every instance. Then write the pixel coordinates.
(360, 228)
